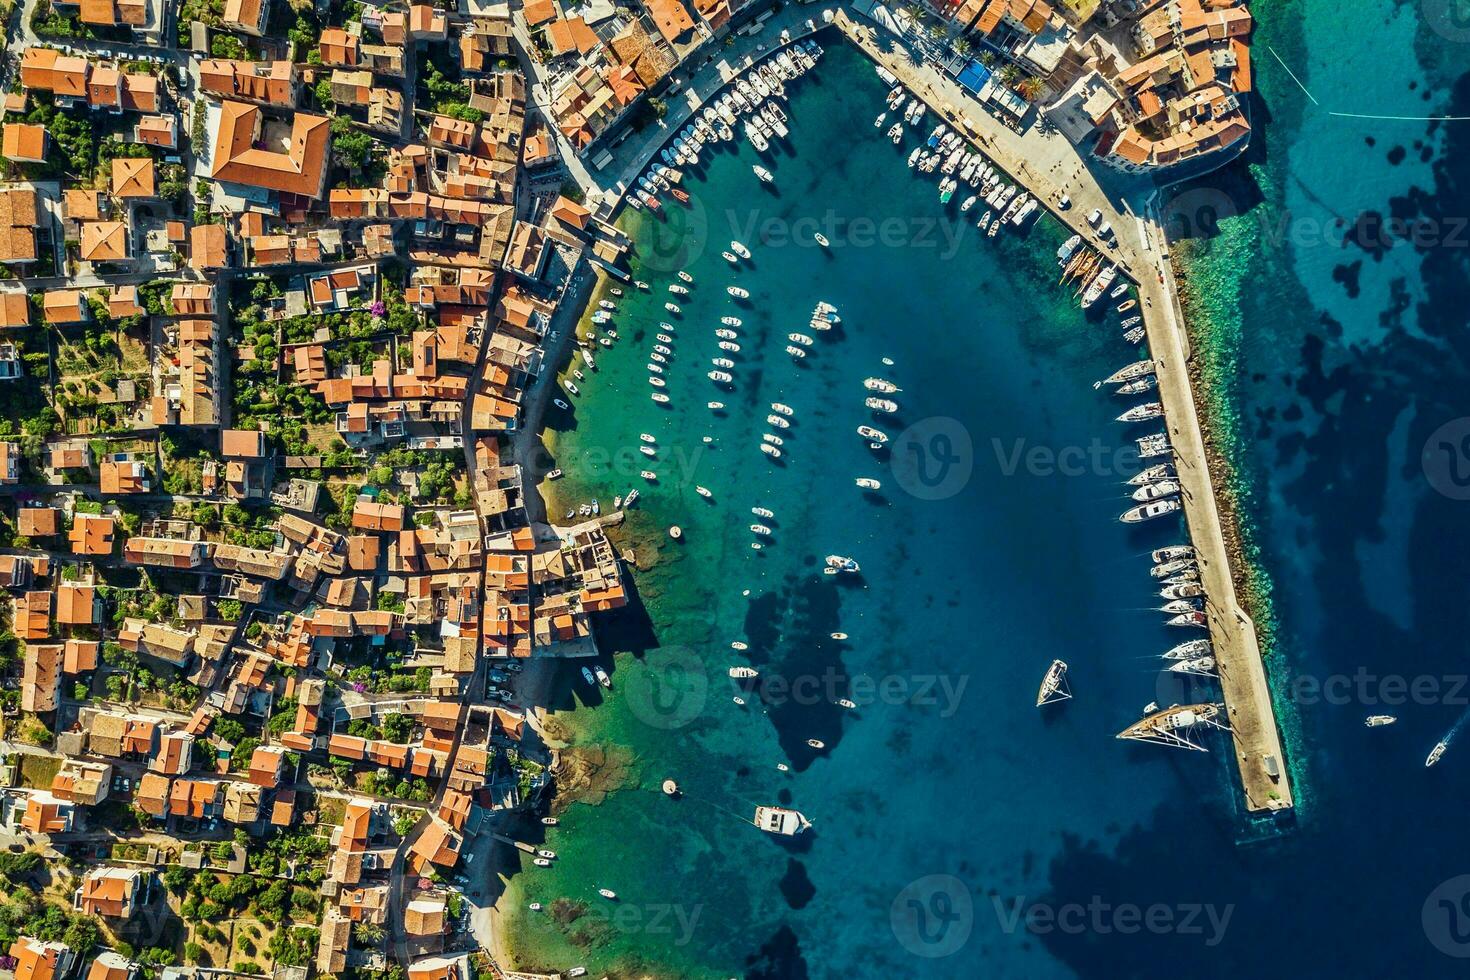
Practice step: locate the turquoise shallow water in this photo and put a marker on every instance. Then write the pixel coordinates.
(1336, 364)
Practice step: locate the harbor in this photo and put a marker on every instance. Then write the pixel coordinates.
(1119, 238)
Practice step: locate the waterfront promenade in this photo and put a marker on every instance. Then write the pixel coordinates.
(1048, 166)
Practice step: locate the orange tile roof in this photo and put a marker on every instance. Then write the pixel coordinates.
(298, 170)
(133, 177)
(24, 142)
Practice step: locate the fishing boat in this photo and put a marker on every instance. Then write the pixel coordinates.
(841, 563)
(738, 292)
(648, 475)
(1156, 491)
(782, 409)
(779, 421)
(1435, 753)
(770, 450)
(714, 406)
(1173, 552)
(1054, 685)
(879, 384)
(704, 492)
(654, 367)
(720, 376)
(730, 321)
(743, 673)
(608, 893)
(659, 397)
(662, 351)
(672, 308)
(762, 512)
(780, 820)
(1188, 650)
(765, 175)
(872, 434)
(740, 250)
(1150, 510)
(1378, 721)
(795, 351)
(1175, 725)
(881, 404)
(821, 239)
(760, 529)
(730, 257)
(868, 483)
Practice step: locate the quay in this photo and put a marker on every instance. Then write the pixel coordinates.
(1048, 166)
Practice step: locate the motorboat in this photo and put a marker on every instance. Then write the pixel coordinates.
(871, 434)
(1150, 510)
(773, 439)
(602, 679)
(760, 529)
(726, 334)
(881, 404)
(779, 421)
(763, 512)
(704, 492)
(1156, 491)
(1173, 552)
(868, 483)
(743, 673)
(765, 175)
(648, 475)
(730, 321)
(740, 250)
(588, 676)
(879, 384)
(672, 308)
(738, 292)
(782, 409)
(841, 563)
(795, 351)
(720, 376)
(770, 450)
(1378, 721)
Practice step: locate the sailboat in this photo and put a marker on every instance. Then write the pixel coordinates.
(1054, 684)
(1174, 725)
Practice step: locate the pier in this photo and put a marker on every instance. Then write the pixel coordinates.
(1047, 166)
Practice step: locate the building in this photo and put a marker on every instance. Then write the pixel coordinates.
(292, 163)
(24, 143)
(113, 893)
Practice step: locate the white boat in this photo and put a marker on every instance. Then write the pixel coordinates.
(714, 406)
(672, 308)
(881, 404)
(969, 202)
(541, 862)
(871, 434)
(760, 529)
(1188, 650)
(648, 475)
(779, 421)
(1435, 753)
(654, 367)
(782, 409)
(821, 239)
(726, 334)
(1150, 510)
(780, 820)
(800, 338)
(572, 387)
(738, 292)
(795, 351)
(720, 376)
(743, 673)
(914, 156)
(704, 492)
(765, 175)
(607, 893)
(878, 123)
(1099, 283)
(678, 290)
(722, 362)
(729, 345)
(841, 563)
(730, 257)
(1053, 685)
(740, 250)
(648, 451)
(1143, 413)
(543, 852)
(773, 439)
(879, 384)
(656, 381)
(868, 483)
(1200, 666)
(816, 743)
(762, 512)
(602, 679)
(659, 397)
(1156, 491)
(1378, 721)
(730, 321)
(770, 450)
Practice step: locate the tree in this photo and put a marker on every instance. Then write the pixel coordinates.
(352, 146)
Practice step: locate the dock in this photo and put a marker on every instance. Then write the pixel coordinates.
(1047, 166)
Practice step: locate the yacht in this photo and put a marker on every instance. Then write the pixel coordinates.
(1188, 650)
(841, 563)
(602, 679)
(1156, 491)
(740, 250)
(868, 483)
(1435, 753)
(1150, 510)
(743, 673)
(765, 175)
(1142, 413)
(780, 820)
(896, 133)
(1172, 567)
(1189, 619)
(1378, 721)
(762, 512)
(879, 384)
(881, 404)
(1139, 387)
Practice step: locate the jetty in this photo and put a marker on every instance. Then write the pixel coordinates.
(1049, 167)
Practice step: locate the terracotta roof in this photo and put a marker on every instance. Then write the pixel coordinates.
(24, 142)
(300, 169)
(104, 241)
(133, 177)
(670, 17)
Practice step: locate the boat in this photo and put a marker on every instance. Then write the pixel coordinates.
(760, 529)
(729, 345)
(896, 133)
(602, 677)
(659, 397)
(914, 156)
(780, 820)
(722, 362)
(1159, 471)
(608, 893)
(648, 451)
(1195, 618)
(1131, 372)
(543, 852)
(872, 434)
(743, 673)
(724, 334)
(846, 703)
(704, 492)
(1156, 444)
(1127, 305)
(541, 862)
(1099, 283)
(738, 700)
(672, 308)
(1054, 685)
(738, 292)
(1150, 510)
(730, 321)
(765, 175)
(821, 239)
(1067, 248)
(1139, 387)
(779, 421)
(678, 289)
(800, 338)
(1156, 491)
(1435, 753)
(968, 203)
(842, 563)
(1184, 590)
(1176, 606)
(1134, 335)
(1175, 725)
(740, 250)
(816, 743)
(1378, 721)
(640, 284)
(1199, 666)
(795, 351)
(774, 440)
(714, 406)
(879, 384)
(554, 474)
(770, 450)
(1188, 650)
(782, 409)
(1132, 321)
(629, 500)
(762, 512)
(739, 645)
(730, 257)
(606, 305)
(881, 404)
(1174, 552)
(648, 475)
(588, 676)
(868, 483)
(656, 381)
(587, 358)
(685, 276)
(721, 376)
